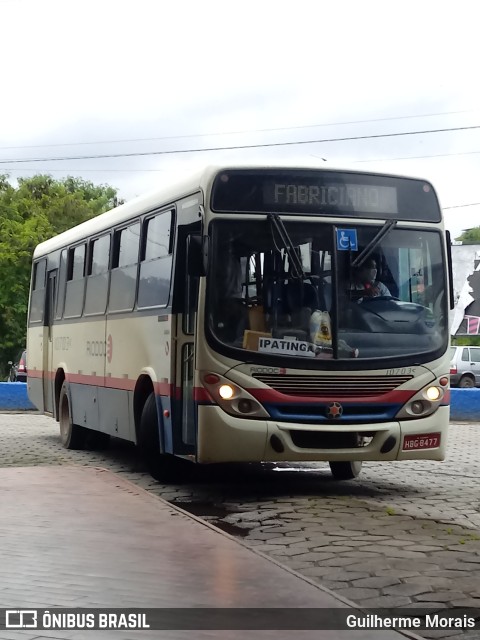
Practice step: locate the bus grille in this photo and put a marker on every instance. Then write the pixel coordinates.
(320, 386)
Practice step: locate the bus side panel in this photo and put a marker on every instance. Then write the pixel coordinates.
(79, 351)
(35, 341)
(138, 344)
(84, 405)
(116, 413)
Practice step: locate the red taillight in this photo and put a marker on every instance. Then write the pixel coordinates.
(21, 366)
(211, 378)
(453, 369)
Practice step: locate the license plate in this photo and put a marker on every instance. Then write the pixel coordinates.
(421, 441)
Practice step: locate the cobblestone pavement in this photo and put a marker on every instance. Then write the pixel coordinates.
(401, 535)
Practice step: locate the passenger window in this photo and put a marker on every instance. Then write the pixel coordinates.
(97, 280)
(125, 251)
(75, 281)
(465, 356)
(157, 236)
(156, 261)
(37, 302)
(39, 278)
(123, 282)
(99, 256)
(62, 279)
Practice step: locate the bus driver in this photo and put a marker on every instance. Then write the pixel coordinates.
(365, 282)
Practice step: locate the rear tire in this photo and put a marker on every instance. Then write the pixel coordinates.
(467, 382)
(72, 435)
(345, 470)
(161, 466)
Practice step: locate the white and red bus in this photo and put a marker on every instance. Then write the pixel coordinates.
(219, 320)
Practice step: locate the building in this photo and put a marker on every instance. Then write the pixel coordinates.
(465, 317)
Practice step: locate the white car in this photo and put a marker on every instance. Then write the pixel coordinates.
(465, 367)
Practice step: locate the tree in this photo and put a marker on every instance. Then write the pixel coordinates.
(37, 209)
(470, 236)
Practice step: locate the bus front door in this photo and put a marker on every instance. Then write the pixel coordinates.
(185, 414)
(48, 386)
(180, 436)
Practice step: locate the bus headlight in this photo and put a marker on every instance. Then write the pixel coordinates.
(433, 393)
(232, 398)
(424, 402)
(226, 391)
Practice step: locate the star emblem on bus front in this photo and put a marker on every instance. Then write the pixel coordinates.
(334, 410)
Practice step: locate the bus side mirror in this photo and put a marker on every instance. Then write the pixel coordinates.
(195, 256)
(450, 270)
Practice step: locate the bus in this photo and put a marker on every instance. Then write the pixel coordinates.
(218, 320)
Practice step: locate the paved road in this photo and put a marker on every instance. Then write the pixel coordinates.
(401, 535)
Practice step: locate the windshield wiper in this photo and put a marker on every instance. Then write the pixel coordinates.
(370, 248)
(295, 262)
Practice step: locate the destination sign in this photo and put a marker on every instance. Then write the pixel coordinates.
(365, 198)
(322, 192)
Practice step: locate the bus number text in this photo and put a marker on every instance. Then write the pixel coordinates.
(402, 371)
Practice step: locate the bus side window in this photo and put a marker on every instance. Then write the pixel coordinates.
(75, 281)
(97, 276)
(156, 261)
(124, 268)
(62, 279)
(37, 303)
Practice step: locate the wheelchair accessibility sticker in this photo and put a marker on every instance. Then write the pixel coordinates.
(347, 240)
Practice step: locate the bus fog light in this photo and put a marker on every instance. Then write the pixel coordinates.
(417, 407)
(245, 405)
(226, 392)
(433, 393)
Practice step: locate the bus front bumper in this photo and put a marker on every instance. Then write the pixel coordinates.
(224, 438)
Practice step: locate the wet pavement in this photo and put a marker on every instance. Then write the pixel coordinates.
(401, 535)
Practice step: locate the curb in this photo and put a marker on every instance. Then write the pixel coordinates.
(465, 405)
(14, 397)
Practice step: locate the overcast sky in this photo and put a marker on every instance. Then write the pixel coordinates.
(123, 77)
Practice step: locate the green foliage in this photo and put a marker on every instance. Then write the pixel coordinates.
(470, 236)
(37, 209)
(466, 341)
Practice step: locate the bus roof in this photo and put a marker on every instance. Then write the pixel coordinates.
(124, 212)
(174, 190)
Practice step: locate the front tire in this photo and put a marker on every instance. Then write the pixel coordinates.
(161, 466)
(345, 470)
(72, 435)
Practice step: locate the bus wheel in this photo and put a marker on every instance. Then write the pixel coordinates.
(345, 470)
(161, 466)
(72, 435)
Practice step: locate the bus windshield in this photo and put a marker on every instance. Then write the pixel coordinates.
(321, 291)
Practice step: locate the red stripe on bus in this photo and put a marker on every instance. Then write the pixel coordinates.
(101, 381)
(33, 373)
(200, 394)
(269, 396)
(163, 389)
(111, 382)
